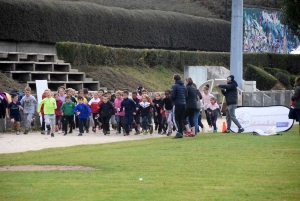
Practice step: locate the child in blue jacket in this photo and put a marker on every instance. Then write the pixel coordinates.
(83, 112)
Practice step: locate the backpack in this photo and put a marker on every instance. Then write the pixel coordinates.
(20, 94)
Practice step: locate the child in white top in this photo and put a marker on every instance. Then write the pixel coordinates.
(213, 110)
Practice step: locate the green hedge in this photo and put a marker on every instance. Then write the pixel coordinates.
(285, 80)
(83, 54)
(264, 81)
(86, 22)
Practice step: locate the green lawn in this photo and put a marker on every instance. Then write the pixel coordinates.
(208, 167)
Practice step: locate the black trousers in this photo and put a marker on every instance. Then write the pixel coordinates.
(178, 111)
(105, 123)
(189, 113)
(158, 121)
(68, 120)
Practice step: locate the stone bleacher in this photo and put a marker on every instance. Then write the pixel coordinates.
(25, 68)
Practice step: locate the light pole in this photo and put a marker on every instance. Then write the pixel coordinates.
(236, 47)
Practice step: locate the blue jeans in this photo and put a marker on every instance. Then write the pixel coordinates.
(196, 116)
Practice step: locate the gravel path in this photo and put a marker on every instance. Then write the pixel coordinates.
(12, 143)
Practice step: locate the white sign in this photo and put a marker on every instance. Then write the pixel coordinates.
(41, 86)
(252, 118)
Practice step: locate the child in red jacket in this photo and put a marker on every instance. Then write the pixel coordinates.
(58, 115)
(94, 103)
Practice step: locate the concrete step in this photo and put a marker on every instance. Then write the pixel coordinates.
(26, 76)
(88, 79)
(73, 70)
(60, 61)
(34, 66)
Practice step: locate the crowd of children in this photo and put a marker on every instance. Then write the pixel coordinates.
(65, 110)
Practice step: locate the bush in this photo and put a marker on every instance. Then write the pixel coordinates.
(82, 54)
(284, 79)
(274, 71)
(87, 22)
(264, 81)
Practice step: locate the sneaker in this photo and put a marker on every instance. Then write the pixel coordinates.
(94, 130)
(156, 127)
(70, 132)
(187, 134)
(164, 133)
(169, 133)
(80, 134)
(65, 134)
(43, 132)
(203, 129)
(87, 131)
(215, 131)
(60, 132)
(159, 132)
(104, 132)
(137, 133)
(52, 134)
(26, 132)
(18, 132)
(178, 135)
(117, 133)
(48, 132)
(127, 134)
(77, 129)
(145, 132)
(226, 131)
(108, 133)
(32, 122)
(151, 130)
(241, 130)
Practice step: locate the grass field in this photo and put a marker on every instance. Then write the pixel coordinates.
(208, 167)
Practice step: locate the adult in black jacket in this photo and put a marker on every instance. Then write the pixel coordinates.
(190, 108)
(229, 90)
(178, 96)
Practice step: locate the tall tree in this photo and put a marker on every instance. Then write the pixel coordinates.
(291, 15)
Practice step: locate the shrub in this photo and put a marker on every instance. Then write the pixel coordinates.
(82, 54)
(284, 79)
(264, 81)
(274, 71)
(88, 22)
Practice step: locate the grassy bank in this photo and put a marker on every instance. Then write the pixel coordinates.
(120, 77)
(208, 167)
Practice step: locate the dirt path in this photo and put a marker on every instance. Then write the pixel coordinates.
(12, 143)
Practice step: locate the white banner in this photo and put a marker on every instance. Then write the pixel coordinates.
(41, 86)
(262, 118)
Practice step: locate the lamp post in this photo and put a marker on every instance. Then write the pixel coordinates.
(236, 47)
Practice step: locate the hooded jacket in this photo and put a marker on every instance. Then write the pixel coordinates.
(230, 93)
(192, 97)
(178, 93)
(296, 97)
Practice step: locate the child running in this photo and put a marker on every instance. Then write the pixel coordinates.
(144, 108)
(68, 115)
(119, 115)
(106, 110)
(49, 111)
(83, 112)
(206, 96)
(137, 116)
(130, 110)
(167, 102)
(213, 110)
(29, 104)
(58, 115)
(158, 103)
(93, 103)
(13, 113)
